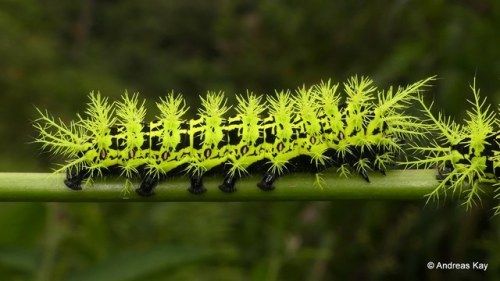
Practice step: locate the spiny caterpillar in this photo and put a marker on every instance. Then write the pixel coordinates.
(466, 155)
(308, 130)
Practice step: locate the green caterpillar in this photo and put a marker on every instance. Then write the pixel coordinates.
(309, 130)
(466, 155)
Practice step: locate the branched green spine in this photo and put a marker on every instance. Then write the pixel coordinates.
(466, 155)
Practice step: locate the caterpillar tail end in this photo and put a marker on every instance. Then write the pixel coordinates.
(74, 178)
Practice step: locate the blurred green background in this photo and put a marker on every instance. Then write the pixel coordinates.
(53, 53)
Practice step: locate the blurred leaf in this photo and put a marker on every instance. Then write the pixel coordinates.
(21, 223)
(19, 258)
(134, 265)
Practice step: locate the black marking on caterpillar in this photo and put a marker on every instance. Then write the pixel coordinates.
(307, 131)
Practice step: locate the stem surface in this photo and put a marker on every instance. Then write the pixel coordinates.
(397, 184)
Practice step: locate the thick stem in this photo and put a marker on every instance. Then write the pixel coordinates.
(397, 184)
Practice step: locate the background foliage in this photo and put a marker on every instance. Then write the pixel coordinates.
(52, 53)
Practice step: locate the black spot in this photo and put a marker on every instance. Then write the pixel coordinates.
(354, 133)
(121, 143)
(221, 144)
(462, 147)
(270, 136)
(145, 143)
(235, 122)
(114, 143)
(113, 131)
(185, 142)
(259, 141)
(233, 136)
(155, 143)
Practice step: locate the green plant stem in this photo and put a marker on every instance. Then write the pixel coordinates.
(397, 184)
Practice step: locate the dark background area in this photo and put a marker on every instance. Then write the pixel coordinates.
(53, 53)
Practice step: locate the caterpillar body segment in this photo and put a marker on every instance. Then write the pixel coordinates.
(308, 130)
(466, 155)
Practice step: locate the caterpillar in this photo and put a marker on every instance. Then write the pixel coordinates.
(308, 130)
(466, 155)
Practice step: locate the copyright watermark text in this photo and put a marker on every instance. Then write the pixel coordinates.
(458, 265)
